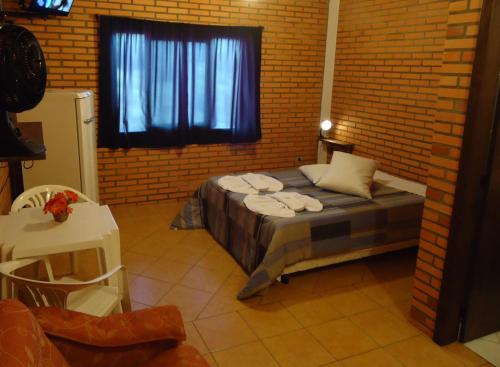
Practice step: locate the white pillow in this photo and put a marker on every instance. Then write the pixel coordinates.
(349, 174)
(314, 172)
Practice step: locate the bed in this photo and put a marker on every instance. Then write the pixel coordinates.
(349, 227)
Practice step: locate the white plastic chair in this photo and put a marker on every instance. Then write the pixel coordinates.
(93, 297)
(38, 196)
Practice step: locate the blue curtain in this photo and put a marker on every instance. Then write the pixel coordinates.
(169, 84)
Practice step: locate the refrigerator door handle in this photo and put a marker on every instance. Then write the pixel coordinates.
(89, 120)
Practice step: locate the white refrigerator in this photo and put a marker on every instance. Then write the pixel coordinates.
(69, 134)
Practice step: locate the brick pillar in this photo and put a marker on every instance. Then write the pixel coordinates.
(458, 57)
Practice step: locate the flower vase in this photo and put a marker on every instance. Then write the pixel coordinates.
(61, 217)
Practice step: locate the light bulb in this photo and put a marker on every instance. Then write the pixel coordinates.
(326, 125)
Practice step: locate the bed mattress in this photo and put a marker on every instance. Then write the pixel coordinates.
(264, 245)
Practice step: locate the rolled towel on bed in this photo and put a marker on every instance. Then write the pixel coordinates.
(298, 202)
(236, 184)
(256, 181)
(290, 199)
(312, 204)
(250, 183)
(262, 182)
(266, 205)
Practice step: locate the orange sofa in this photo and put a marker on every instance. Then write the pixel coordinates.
(53, 337)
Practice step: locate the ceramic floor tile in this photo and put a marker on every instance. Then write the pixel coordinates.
(279, 292)
(154, 245)
(392, 266)
(134, 227)
(137, 263)
(189, 269)
(349, 300)
(375, 358)
(491, 338)
(146, 227)
(464, 355)
(305, 280)
(194, 338)
(184, 252)
(130, 278)
(168, 271)
(199, 235)
(341, 275)
(421, 351)
(388, 293)
(210, 360)
(205, 279)
(148, 291)
(225, 331)
(247, 355)
(200, 239)
(270, 320)
(233, 285)
(136, 306)
(383, 327)
(216, 259)
(297, 349)
(189, 301)
(342, 338)
(155, 250)
(488, 350)
(401, 309)
(220, 304)
(128, 237)
(239, 272)
(312, 311)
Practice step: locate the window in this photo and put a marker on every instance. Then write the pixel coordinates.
(168, 84)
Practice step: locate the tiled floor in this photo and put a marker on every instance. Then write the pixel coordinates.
(354, 314)
(487, 347)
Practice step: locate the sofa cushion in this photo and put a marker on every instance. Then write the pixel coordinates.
(22, 341)
(82, 355)
(155, 324)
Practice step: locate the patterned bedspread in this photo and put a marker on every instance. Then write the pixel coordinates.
(265, 245)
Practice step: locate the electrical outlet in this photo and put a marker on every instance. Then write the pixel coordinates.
(299, 159)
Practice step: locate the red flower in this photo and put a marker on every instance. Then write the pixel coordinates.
(60, 203)
(72, 196)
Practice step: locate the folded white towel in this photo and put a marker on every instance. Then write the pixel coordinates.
(236, 184)
(257, 181)
(312, 204)
(250, 183)
(298, 202)
(262, 182)
(264, 204)
(290, 199)
(274, 184)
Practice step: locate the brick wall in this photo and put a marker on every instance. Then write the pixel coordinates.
(386, 80)
(448, 127)
(5, 199)
(402, 78)
(292, 73)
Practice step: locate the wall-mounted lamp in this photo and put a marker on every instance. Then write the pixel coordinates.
(326, 125)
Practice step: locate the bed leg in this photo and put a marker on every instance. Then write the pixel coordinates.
(284, 279)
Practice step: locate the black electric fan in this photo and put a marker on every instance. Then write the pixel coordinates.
(23, 75)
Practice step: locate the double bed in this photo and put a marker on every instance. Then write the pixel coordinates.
(349, 227)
